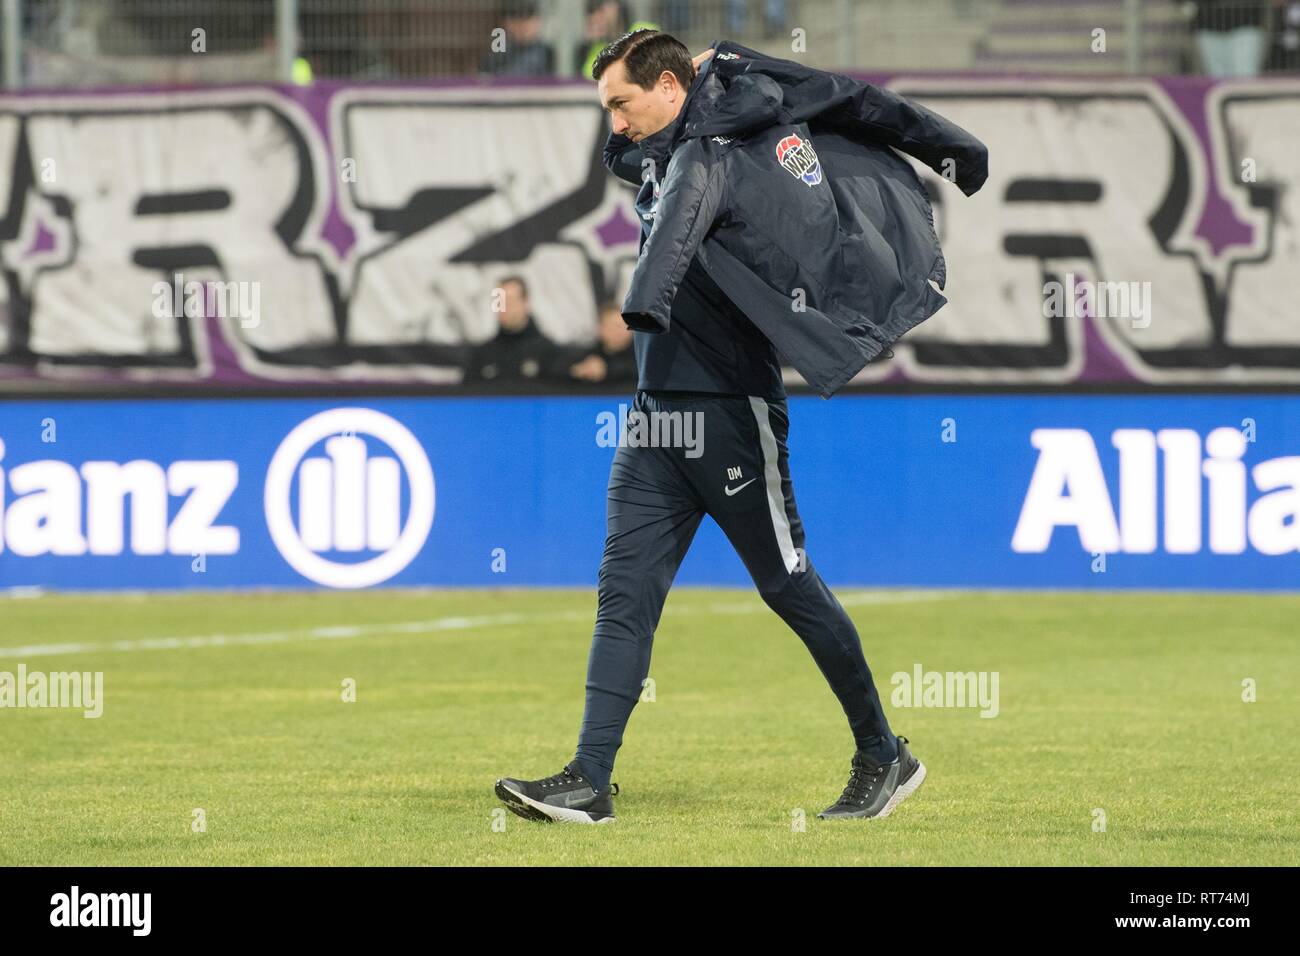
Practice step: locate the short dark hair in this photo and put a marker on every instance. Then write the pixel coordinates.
(647, 54)
(523, 286)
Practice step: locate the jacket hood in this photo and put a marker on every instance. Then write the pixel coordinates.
(739, 91)
(730, 105)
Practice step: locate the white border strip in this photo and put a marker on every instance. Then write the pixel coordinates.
(457, 623)
(772, 477)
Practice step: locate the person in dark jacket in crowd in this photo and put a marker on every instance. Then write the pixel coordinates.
(525, 54)
(519, 351)
(612, 361)
(1231, 36)
(677, 15)
(710, 382)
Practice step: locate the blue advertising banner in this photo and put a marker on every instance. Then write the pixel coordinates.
(1116, 491)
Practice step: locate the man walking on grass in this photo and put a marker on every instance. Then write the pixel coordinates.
(705, 355)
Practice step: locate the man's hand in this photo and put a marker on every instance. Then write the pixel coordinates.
(590, 369)
(696, 61)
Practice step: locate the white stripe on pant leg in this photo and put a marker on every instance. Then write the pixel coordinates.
(772, 478)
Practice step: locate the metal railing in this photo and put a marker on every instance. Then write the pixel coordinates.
(66, 43)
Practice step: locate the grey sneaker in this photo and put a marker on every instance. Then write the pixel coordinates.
(875, 789)
(567, 797)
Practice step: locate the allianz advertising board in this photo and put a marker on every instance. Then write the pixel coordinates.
(1038, 491)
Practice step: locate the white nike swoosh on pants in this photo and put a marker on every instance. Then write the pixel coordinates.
(732, 491)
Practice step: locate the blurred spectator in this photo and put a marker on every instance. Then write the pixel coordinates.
(774, 16)
(524, 54)
(1230, 36)
(303, 74)
(613, 360)
(1284, 46)
(607, 20)
(519, 350)
(676, 15)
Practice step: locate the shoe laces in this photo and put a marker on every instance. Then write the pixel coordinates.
(861, 780)
(563, 777)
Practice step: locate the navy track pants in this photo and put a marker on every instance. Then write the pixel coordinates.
(737, 472)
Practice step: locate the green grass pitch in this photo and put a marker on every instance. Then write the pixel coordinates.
(1122, 709)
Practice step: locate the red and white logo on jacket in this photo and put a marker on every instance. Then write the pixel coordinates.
(797, 155)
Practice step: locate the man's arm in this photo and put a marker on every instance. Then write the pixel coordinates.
(689, 201)
(941, 144)
(623, 158)
(475, 357)
(878, 115)
(556, 360)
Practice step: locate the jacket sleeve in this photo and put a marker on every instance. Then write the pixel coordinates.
(883, 116)
(690, 199)
(623, 158)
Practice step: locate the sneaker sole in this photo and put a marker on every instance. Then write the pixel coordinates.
(905, 791)
(531, 809)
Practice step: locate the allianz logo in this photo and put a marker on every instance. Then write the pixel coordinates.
(1167, 481)
(41, 504)
(327, 499)
(348, 499)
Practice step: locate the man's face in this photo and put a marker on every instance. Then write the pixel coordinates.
(524, 29)
(514, 314)
(638, 113)
(602, 20)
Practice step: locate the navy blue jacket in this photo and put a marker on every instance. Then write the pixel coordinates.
(782, 183)
(710, 346)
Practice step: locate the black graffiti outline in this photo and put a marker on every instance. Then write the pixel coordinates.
(289, 229)
(1170, 212)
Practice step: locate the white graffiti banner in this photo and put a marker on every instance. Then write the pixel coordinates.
(1138, 232)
